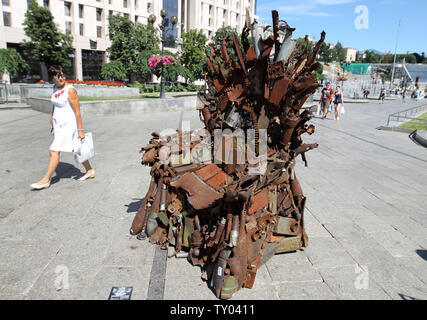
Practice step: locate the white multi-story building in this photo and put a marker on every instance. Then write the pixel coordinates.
(350, 54)
(87, 20)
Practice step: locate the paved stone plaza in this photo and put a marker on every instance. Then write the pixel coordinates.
(366, 214)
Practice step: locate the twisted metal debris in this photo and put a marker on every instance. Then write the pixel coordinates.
(224, 212)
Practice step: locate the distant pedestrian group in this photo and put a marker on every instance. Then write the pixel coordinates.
(330, 97)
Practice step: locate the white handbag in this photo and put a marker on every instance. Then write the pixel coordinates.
(342, 110)
(319, 109)
(86, 150)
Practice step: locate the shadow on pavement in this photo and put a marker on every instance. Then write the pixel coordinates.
(422, 254)
(66, 170)
(134, 206)
(405, 297)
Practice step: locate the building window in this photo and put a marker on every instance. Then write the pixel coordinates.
(136, 4)
(110, 1)
(99, 31)
(148, 7)
(171, 7)
(81, 11)
(125, 3)
(98, 14)
(136, 19)
(5, 3)
(110, 12)
(6, 19)
(81, 29)
(126, 15)
(67, 7)
(68, 26)
(46, 4)
(92, 61)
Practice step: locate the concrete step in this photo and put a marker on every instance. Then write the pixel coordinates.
(10, 106)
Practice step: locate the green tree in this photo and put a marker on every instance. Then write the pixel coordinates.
(419, 57)
(309, 45)
(372, 57)
(123, 48)
(339, 53)
(11, 62)
(47, 44)
(113, 70)
(193, 52)
(147, 41)
(131, 44)
(143, 69)
(146, 37)
(326, 53)
(387, 58)
(318, 74)
(222, 34)
(410, 58)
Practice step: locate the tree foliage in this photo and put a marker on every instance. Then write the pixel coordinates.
(339, 53)
(309, 45)
(11, 62)
(193, 53)
(143, 70)
(47, 44)
(131, 44)
(326, 53)
(113, 70)
(318, 74)
(222, 34)
(372, 57)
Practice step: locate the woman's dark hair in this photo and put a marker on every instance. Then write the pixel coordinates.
(54, 70)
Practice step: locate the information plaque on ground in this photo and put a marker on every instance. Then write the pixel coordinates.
(120, 293)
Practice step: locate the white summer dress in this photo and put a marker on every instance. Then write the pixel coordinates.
(64, 122)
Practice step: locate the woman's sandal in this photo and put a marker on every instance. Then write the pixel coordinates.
(36, 186)
(88, 176)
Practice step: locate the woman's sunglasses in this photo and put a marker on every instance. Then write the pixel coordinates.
(59, 75)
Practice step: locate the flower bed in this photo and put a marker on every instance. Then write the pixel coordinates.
(98, 83)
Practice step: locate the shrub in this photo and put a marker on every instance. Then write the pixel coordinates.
(193, 87)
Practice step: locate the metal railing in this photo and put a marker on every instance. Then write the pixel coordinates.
(407, 115)
(11, 92)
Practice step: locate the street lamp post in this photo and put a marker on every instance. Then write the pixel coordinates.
(163, 28)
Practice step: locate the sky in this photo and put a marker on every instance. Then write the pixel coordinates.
(359, 24)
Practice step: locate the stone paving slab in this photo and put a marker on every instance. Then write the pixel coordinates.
(306, 291)
(366, 210)
(341, 281)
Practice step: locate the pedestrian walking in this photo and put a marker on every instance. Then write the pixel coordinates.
(404, 95)
(366, 93)
(326, 100)
(66, 123)
(338, 102)
(382, 96)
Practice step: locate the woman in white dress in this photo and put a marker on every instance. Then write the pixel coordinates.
(67, 126)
